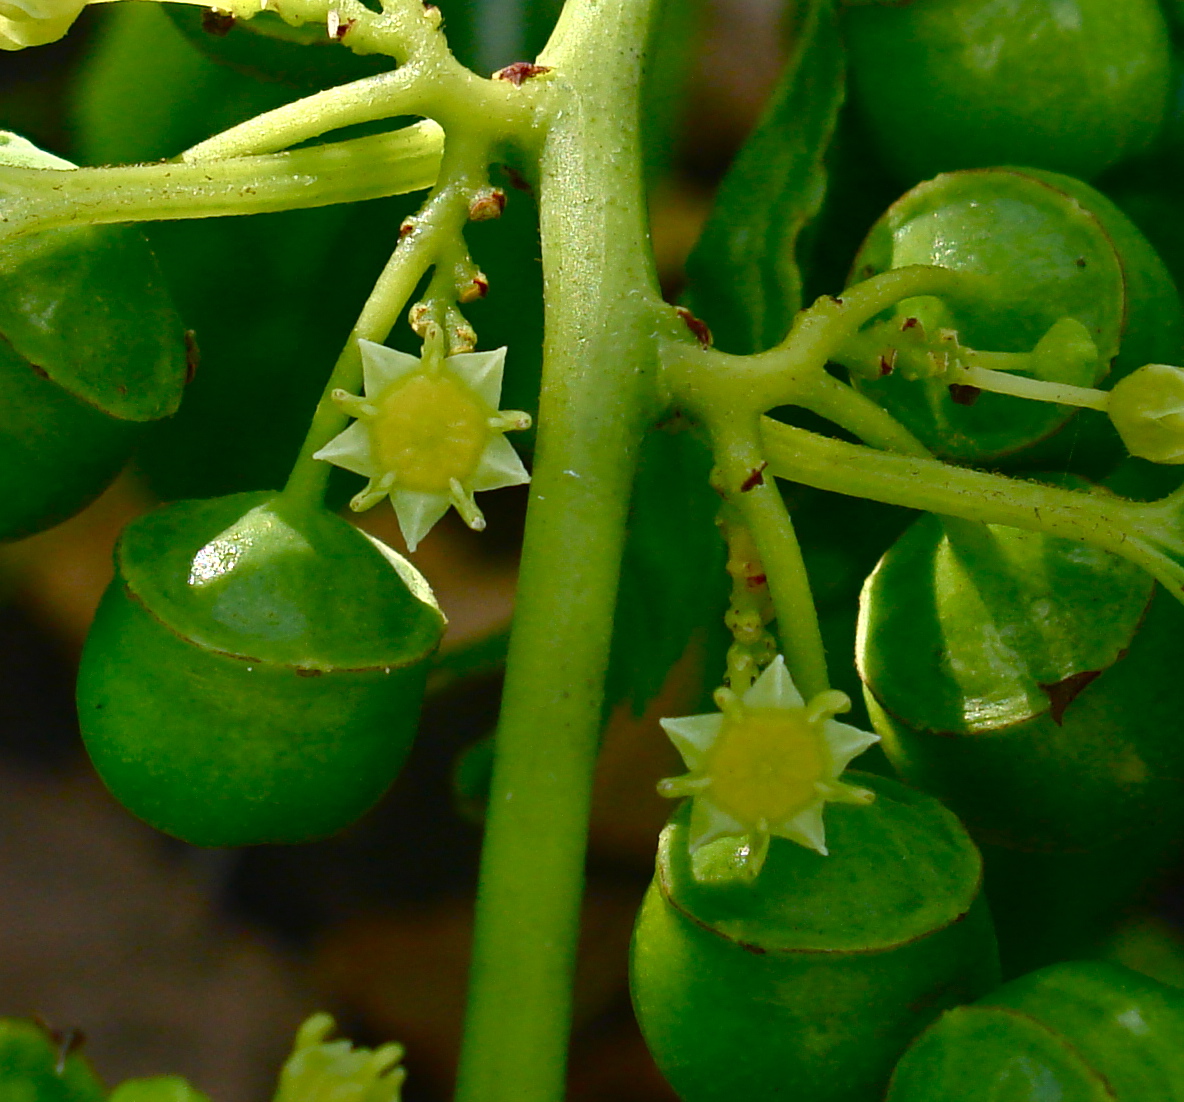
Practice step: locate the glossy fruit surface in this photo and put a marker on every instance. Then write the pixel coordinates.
(1081, 1032)
(810, 981)
(1027, 681)
(91, 349)
(1043, 247)
(266, 47)
(1069, 85)
(38, 1067)
(254, 674)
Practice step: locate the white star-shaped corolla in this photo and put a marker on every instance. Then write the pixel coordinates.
(765, 765)
(35, 22)
(428, 435)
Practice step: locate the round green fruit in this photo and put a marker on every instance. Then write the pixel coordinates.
(1030, 682)
(91, 350)
(255, 671)
(809, 982)
(1069, 85)
(1039, 248)
(1082, 1032)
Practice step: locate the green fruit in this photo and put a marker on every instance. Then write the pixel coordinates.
(1083, 1032)
(267, 48)
(809, 982)
(255, 670)
(1069, 85)
(36, 1066)
(1029, 682)
(91, 350)
(1042, 248)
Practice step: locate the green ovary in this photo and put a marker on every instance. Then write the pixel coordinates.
(428, 431)
(765, 765)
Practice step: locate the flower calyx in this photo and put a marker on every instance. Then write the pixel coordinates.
(765, 765)
(428, 434)
(35, 22)
(334, 1071)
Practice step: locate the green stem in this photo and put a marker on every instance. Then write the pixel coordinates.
(599, 393)
(755, 496)
(1151, 534)
(366, 168)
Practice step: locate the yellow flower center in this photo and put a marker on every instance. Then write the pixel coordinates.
(429, 430)
(765, 763)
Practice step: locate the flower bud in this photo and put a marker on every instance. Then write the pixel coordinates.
(1147, 410)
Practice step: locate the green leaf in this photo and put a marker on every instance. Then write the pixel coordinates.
(744, 276)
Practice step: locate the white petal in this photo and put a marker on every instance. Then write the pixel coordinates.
(709, 822)
(381, 366)
(693, 735)
(482, 371)
(499, 466)
(418, 513)
(774, 688)
(351, 450)
(846, 742)
(805, 828)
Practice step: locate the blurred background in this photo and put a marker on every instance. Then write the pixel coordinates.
(201, 963)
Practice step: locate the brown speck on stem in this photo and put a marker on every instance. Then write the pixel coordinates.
(867, 271)
(192, 356)
(520, 72)
(964, 395)
(755, 478)
(342, 29)
(755, 581)
(1063, 693)
(696, 325)
(477, 288)
(405, 227)
(909, 323)
(887, 362)
(217, 23)
(487, 204)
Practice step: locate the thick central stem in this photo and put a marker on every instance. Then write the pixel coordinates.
(598, 394)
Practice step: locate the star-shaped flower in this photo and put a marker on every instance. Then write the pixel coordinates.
(35, 22)
(766, 765)
(428, 434)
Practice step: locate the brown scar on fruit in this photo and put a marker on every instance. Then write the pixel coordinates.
(192, 356)
(909, 323)
(217, 23)
(520, 72)
(756, 478)
(755, 581)
(517, 180)
(964, 395)
(304, 671)
(1063, 693)
(696, 325)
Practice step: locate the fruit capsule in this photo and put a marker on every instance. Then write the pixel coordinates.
(255, 671)
(811, 980)
(1069, 85)
(1081, 1032)
(1040, 248)
(1027, 681)
(75, 394)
